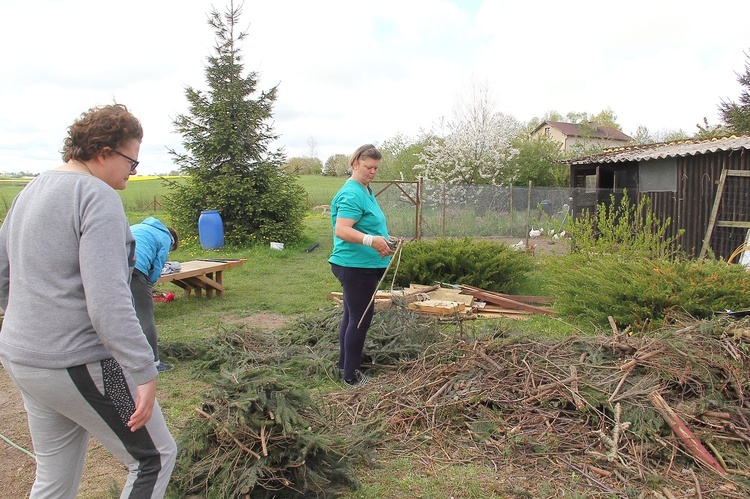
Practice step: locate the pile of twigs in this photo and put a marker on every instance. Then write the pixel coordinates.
(259, 432)
(615, 414)
(584, 405)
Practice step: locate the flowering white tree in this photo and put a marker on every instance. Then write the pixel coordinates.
(476, 145)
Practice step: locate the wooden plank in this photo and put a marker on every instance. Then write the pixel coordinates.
(714, 213)
(729, 223)
(199, 267)
(438, 307)
(529, 299)
(496, 299)
(500, 310)
(521, 317)
(455, 295)
(197, 276)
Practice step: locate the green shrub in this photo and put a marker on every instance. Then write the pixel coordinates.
(643, 292)
(484, 264)
(624, 228)
(623, 265)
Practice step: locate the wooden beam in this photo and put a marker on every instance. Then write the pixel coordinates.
(497, 299)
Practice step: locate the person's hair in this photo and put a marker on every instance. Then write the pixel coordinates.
(175, 239)
(365, 151)
(104, 126)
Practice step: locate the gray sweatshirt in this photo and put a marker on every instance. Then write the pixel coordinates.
(66, 256)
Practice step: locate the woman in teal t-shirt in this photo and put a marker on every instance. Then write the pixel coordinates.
(361, 253)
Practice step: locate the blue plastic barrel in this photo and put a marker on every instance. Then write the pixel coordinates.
(210, 230)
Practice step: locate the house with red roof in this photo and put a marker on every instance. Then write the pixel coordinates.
(581, 137)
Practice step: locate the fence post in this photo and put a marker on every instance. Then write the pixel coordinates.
(153, 204)
(528, 216)
(418, 228)
(443, 209)
(511, 210)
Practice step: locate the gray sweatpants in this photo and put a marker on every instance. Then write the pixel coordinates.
(64, 406)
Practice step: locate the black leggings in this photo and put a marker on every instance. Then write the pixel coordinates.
(359, 285)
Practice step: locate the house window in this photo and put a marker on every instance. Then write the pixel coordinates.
(658, 175)
(547, 131)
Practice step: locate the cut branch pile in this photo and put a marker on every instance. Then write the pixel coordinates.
(258, 433)
(603, 407)
(626, 416)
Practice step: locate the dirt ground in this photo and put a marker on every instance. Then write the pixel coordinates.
(542, 245)
(103, 472)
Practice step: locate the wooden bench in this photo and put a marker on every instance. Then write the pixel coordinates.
(201, 275)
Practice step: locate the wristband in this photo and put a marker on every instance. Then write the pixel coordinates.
(367, 240)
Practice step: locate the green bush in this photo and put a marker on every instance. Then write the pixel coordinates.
(624, 228)
(643, 292)
(623, 265)
(484, 264)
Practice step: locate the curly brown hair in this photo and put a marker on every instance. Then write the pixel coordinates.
(103, 126)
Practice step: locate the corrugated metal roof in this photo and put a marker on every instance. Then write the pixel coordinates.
(664, 150)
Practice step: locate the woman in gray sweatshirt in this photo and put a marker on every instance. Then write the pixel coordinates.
(70, 339)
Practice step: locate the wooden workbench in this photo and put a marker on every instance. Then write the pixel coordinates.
(201, 275)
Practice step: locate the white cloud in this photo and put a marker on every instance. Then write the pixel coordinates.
(351, 72)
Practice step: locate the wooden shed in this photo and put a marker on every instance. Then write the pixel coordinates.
(702, 185)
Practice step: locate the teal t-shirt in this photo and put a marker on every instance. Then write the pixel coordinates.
(357, 202)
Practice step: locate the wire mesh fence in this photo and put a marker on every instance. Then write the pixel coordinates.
(470, 211)
(503, 212)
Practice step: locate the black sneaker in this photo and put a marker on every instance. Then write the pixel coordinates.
(161, 367)
(358, 380)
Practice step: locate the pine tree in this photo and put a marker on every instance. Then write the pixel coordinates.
(229, 167)
(737, 116)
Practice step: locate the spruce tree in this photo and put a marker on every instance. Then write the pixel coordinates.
(226, 135)
(737, 115)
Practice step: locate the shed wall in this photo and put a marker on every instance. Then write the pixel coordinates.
(690, 207)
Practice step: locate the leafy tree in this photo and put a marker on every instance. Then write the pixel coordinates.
(536, 121)
(476, 147)
(536, 160)
(737, 115)
(606, 117)
(644, 136)
(226, 136)
(706, 131)
(400, 155)
(336, 165)
(303, 166)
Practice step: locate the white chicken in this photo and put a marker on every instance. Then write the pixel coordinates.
(535, 232)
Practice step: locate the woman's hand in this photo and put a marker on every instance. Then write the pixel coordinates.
(144, 405)
(380, 244)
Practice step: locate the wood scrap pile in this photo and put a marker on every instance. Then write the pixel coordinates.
(463, 301)
(628, 416)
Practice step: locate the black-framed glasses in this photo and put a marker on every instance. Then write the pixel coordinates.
(133, 162)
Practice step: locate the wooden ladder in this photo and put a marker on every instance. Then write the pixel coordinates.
(712, 222)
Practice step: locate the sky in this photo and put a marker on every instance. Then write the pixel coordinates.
(351, 72)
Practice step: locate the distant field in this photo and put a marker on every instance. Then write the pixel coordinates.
(320, 190)
(142, 191)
